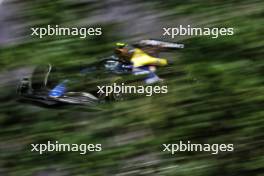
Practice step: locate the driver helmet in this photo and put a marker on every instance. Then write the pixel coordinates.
(122, 51)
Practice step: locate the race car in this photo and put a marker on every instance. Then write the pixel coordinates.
(80, 85)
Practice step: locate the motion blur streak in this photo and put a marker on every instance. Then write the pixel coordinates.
(215, 90)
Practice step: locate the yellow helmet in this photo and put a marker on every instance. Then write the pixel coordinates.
(121, 45)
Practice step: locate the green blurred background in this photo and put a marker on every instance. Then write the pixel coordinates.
(215, 90)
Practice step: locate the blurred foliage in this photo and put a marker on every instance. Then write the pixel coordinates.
(215, 96)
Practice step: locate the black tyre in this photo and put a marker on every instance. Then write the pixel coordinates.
(24, 86)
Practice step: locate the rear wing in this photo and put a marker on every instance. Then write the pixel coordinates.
(158, 44)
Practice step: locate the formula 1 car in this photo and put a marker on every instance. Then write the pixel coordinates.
(83, 87)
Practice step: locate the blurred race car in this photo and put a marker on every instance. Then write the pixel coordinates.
(53, 86)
